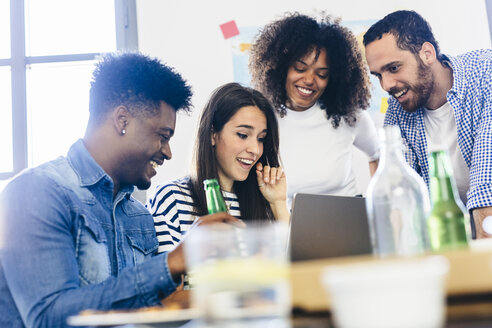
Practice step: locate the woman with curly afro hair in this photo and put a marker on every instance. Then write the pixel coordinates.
(313, 73)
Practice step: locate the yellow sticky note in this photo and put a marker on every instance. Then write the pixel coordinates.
(384, 104)
(244, 46)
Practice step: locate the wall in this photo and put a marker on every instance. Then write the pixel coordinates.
(186, 35)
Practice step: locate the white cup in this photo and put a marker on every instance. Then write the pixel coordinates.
(403, 293)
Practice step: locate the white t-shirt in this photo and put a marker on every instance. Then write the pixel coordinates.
(317, 158)
(441, 132)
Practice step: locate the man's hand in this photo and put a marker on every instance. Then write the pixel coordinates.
(479, 214)
(175, 258)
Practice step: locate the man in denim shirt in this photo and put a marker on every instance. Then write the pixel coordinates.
(439, 102)
(71, 235)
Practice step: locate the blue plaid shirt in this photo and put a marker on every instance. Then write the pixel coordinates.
(471, 100)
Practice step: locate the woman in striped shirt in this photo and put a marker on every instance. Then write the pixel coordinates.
(237, 131)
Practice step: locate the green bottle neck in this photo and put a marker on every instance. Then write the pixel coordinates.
(215, 201)
(442, 188)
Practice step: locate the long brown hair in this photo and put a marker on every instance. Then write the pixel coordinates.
(222, 105)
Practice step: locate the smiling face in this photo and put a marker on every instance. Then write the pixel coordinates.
(401, 73)
(147, 146)
(306, 80)
(239, 145)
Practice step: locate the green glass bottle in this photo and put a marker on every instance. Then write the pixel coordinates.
(215, 204)
(215, 201)
(447, 224)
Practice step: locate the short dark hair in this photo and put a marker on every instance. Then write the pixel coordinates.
(409, 28)
(282, 42)
(138, 82)
(224, 103)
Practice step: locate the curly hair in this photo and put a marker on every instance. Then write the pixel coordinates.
(137, 81)
(409, 28)
(282, 42)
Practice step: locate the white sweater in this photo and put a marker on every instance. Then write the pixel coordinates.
(317, 158)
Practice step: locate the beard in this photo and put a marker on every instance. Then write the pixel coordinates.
(422, 89)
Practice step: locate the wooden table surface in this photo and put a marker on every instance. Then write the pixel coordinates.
(468, 288)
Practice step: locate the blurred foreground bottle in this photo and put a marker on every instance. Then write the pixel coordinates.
(215, 201)
(215, 204)
(448, 221)
(397, 202)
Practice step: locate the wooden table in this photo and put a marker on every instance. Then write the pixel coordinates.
(469, 283)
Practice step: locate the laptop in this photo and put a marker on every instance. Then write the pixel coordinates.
(324, 226)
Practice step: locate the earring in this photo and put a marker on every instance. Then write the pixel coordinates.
(123, 132)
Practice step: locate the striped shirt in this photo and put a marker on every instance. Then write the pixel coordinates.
(471, 100)
(174, 211)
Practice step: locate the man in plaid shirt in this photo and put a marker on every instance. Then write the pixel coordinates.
(439, 102)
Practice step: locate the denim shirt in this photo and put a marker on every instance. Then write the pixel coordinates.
(66, 245)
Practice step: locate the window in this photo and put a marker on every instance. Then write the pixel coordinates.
(57, 115)
(5, 121)
(60, 27)
(4, 29)
(47, 52)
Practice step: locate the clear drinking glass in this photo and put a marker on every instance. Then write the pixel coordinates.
(239, 274)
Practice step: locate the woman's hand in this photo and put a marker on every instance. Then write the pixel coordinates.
(273, 186)
(271, 181)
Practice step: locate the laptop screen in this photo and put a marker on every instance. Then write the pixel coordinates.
(325, 226)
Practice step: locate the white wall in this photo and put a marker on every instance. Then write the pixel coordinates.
(186, 35)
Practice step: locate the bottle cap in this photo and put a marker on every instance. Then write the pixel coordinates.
(210, 182)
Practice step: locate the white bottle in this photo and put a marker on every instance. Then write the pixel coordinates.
(397, 202)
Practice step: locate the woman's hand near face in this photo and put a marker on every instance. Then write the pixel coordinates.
(271, 181)
(273, 186)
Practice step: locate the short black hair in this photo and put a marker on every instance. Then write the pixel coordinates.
(138, 82)
(409, 28)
